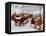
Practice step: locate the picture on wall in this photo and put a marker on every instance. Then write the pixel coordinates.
(25, 17)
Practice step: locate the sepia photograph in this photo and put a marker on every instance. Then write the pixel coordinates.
(26, 18)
